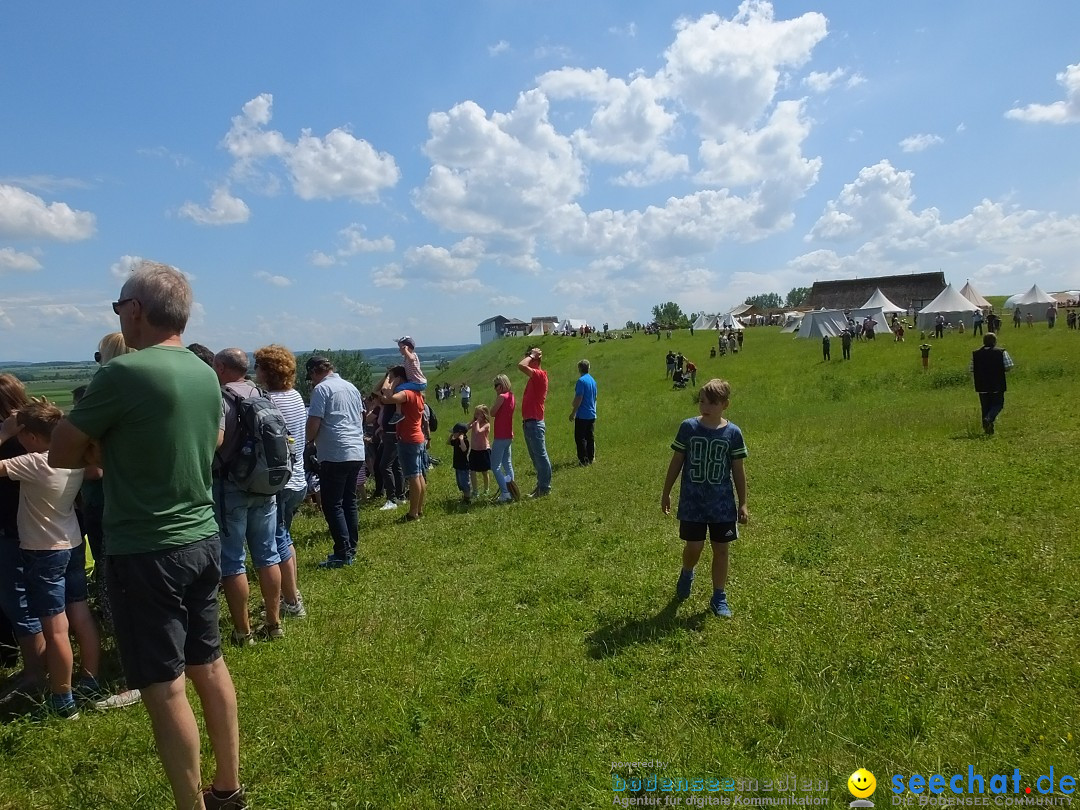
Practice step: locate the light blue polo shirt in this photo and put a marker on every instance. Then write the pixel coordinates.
(340, 407)
(586, 389)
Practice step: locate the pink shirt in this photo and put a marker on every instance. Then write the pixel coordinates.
(478, 436)
(504, 419)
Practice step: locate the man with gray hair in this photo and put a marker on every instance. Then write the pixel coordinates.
(244, 516)
(152, 419)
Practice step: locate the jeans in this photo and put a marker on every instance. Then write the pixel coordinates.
(288, 501)
(534, 430)
(583, 438)
(390, 474)
(339, 504)
(991, 405)
(501, 459)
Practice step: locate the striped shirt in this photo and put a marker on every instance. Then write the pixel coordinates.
(292, 407)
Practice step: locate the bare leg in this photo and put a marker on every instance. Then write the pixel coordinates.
(417, 488)
(236, 595)
(218, 697)
(58, 656)
(177, 737)
(691, 553)
(288, 580)
(86, 634)
(270, 585)
(719, 565)
(33, 656)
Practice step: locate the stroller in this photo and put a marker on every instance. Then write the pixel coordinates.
(680, 379)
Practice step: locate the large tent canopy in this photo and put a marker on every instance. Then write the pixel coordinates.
(569, 325)
(972, 295)
(1032, 297)
(728, 321)
(878, 299)
(832, 322)
(704, 321)
(952, 305)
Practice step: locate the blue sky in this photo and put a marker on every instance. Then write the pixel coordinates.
(337, 174)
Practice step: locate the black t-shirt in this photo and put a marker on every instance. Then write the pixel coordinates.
(9, 492)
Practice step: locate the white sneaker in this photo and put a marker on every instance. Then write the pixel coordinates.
(297, 611)
(386, 507)
(119, 701)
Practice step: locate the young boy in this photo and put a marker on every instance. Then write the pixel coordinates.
(415, 379)
(53, 555)
(459, 440)
(709, 453)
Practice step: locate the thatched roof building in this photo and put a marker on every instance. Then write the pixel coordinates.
(913, 291)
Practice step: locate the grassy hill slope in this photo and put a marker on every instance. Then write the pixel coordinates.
(905, 596)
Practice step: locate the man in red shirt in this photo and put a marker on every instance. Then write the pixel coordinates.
(532, 419)
(410, 436)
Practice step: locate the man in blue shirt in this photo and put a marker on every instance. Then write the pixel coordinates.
(583, 414)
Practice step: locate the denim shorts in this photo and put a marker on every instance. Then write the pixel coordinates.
(13, 589)
(288, 501)
(249, 522)
(412, 456)
(54, 579)
(165, 610)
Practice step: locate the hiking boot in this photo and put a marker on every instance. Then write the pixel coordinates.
(238, 639)
(296, 610)
(121, 700)
(718, 605)
(237, 800)
(685, 583)
(271, 632)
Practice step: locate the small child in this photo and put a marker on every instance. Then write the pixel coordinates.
(480, 448)
(709, 453)
(54, 556)
(460, 442)
(415, 379)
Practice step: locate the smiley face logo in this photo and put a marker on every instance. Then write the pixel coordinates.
(861, 783)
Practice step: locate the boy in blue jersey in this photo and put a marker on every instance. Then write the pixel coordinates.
(709, 453)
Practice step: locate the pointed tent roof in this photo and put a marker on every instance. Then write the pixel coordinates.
(704, 321)
(948, 300)
(727, 321)
(972, 295)
(878, 299)
(1035, 296)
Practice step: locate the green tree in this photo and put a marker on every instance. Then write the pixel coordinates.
(797, 296)
(349, 364)
(765, 301)
(670, 315)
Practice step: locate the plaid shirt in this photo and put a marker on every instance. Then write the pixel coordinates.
(1005, 359)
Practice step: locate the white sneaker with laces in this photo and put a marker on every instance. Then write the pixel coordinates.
(386, 507)
(120, 700)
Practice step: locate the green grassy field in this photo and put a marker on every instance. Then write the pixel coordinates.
(905, 599)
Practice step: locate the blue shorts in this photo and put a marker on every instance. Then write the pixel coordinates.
(248, 522)
(13, 589)
(412, 458)
(54, 579)
(412, 386)
(288, 501)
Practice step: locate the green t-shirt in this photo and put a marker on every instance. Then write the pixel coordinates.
(156, 413)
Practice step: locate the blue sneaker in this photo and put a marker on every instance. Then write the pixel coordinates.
(333, 561)
(718, 605)
(685, 583)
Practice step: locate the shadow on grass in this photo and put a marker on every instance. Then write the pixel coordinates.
(614, 637)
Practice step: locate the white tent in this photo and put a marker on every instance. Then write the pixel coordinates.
(792, 321)
(704, 321)
(569, 325)
(740, 309)
(537, 330)
(727, 321)
(1066, 296)
(878, 299)
(972, 295)
(832, 322)
(1032, 297)
(951, 304)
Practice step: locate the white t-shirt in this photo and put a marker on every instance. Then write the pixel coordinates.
(47, 520)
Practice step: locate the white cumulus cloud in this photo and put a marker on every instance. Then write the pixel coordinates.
(273, 280)
(1066, 111)
(224, 209)
(918, 143)
(26, 216)
(13, 260)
